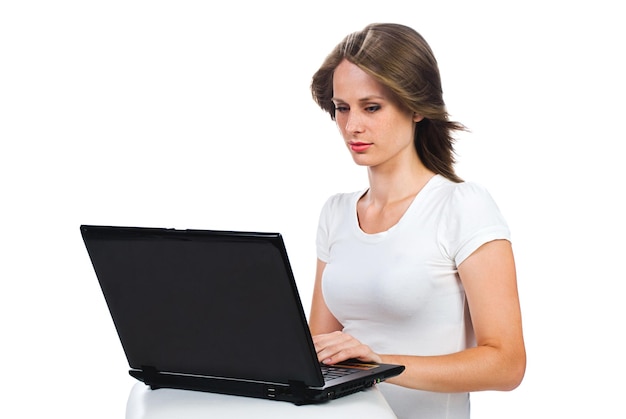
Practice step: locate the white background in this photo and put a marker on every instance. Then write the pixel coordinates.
(197, 114)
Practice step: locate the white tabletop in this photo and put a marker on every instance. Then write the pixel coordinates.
(163, 403)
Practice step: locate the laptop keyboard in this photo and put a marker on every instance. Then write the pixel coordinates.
(330, 372)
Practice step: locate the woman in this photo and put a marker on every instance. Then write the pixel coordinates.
(417, 269)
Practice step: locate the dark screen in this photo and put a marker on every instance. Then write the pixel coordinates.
(201, 302)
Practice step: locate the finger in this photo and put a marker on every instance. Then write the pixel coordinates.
(343, 350)
(329, 340)
(326, 338)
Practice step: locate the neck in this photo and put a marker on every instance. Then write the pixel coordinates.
(389, 186)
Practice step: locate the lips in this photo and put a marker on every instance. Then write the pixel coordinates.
(359, 147)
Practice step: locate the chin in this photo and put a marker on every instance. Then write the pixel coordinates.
(361, 160)
(364, 163)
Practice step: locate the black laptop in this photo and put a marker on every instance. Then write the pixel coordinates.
(215, 311)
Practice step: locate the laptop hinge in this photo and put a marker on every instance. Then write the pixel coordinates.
(298, 389)
(150, 376)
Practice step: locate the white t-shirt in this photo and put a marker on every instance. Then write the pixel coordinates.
(398, 291)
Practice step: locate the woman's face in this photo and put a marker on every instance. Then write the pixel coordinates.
(376, 130)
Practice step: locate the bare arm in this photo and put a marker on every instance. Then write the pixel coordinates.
(498, 361)
(321, 319)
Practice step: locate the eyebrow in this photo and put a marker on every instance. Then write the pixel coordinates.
(365, 99)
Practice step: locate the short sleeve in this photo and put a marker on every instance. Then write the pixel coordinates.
(470, 219)
(322, 240)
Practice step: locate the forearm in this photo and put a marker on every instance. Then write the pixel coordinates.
(474, 369)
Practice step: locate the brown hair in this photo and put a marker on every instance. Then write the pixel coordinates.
(400, 59)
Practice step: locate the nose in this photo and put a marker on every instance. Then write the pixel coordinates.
(354, 123)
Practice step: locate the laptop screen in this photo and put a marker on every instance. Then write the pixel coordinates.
(197, 302)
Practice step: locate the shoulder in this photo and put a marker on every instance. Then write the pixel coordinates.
(468, 195)
(339, 208)
(342, 200)
(471, 204)
(471, 193)
(470, 218)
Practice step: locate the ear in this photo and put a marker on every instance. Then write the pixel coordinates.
(417, 117)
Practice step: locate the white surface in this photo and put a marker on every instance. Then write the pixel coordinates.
(144, 403)
(180, 114)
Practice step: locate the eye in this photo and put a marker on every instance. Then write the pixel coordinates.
(372, 108)
(341, 108)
